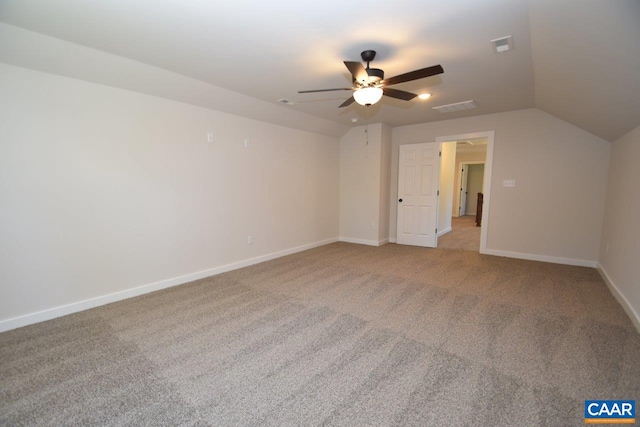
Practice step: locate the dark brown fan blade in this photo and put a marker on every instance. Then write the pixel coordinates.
(414, 75)
(347, 102)
(357, 71)
(399, 94)
(324, 90)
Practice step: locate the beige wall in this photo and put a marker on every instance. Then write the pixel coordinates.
(385, 183)
(104, 190)
(620, 245)
(365, 170)
(555, 211)
(360, 178)
(462, 157)
(447, 174)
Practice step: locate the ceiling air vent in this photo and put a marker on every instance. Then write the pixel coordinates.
(458, 106)
(503, 44)
(286, 101)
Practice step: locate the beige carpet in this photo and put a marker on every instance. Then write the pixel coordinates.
(339, 335)
(463, 235)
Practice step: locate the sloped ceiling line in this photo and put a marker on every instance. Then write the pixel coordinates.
(577, 63)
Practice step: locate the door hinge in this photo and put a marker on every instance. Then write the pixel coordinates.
(436, 231)
(438, 193)
(440, 154)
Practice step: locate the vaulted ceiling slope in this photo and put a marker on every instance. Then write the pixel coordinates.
(577, 60)
(586, 63)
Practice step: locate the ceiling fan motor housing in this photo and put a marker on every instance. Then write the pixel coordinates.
(375, 75)
(368, 55)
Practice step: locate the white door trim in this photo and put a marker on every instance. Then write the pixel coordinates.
(488, 164)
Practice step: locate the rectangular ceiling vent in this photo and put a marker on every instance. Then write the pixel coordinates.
(286, 101)
(458, 106)
(503, 44)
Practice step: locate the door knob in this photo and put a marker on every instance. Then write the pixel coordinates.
(400, 200)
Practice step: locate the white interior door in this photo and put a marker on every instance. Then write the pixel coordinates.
(418, 172)
(464, 178)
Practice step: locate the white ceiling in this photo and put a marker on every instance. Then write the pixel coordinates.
(578, 61)
(472, 145)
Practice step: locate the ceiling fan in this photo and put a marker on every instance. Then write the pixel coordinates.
(369, 84)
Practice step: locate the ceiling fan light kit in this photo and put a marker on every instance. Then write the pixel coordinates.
(369, 83)
(368, 95)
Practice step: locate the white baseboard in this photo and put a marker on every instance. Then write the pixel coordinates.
(360, 241)
(543, 258)
(383, 242)
(624, 302)
(63, 310)
(392, 240)
(443, 232)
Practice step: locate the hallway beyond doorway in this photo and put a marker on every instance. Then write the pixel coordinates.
(463, 235)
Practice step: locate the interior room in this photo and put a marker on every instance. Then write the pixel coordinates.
(293, 213)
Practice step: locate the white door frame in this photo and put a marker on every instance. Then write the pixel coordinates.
(488, 164)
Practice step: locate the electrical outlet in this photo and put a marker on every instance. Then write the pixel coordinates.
(250, 240)
(209, 136)
(373, 225)
(246, 143)
(509, 183)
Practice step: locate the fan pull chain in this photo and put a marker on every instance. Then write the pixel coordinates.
(366, 124)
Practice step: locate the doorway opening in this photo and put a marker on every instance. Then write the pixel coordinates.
(463, 219)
